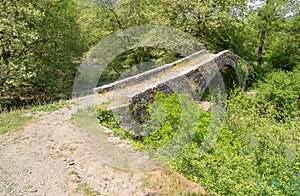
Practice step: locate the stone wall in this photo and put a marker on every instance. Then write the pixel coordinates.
(145, 75)
(193, 82)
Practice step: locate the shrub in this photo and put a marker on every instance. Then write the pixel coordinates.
(257, 151)
(278, 96)
(254, 155)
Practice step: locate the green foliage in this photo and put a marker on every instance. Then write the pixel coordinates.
(283, 52)
(230, 78)
(107, 118)
(257, 151)
(220, 25)
(136, 61)
(210, 21)
(277, 38)
(94, 21)
(86, 189)
(50, 107)
(254, 155)
(278, 97)
(39, 46)
(206, 95)
(165, 116)
(16, 120)
(41, 41)
(99, 19)
(242, 72)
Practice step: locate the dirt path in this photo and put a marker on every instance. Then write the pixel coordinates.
(49, 158)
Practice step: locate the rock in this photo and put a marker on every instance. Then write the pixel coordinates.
(32, 190)
(71, 162)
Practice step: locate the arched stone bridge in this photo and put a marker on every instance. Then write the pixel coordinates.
(191, 74)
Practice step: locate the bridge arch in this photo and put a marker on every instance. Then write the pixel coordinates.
(204, 67)
(234, 71)
(240, 67)
(200, 68)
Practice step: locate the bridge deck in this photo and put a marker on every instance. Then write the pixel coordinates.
(123, 92)
(114, 95)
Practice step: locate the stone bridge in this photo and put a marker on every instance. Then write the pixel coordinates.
(192, 74)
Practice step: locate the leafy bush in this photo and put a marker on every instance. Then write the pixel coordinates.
(278, 96)
(163, 121)
(253, 155)
(257, 151)
(283, 52)
(108, 119)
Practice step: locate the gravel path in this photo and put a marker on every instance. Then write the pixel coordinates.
(50, 158)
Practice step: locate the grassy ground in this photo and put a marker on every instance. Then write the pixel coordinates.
(168, 182)
(16, 120)
(13, 121)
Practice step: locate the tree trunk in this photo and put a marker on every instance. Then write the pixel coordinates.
(137, 63)
(261, 47)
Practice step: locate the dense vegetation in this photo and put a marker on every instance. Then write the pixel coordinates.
(42, 42)
(257, 152)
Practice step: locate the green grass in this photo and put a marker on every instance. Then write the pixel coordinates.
(84, 187)
(13, 121)
(28, 186)
(50, 107)
(16, 120)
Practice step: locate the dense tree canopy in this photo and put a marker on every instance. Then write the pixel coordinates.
(39, 41)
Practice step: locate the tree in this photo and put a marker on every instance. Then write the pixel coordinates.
(17, 41)
(214, 22)
(283, 51)
(39, 42)
(107, 17)
(271, 21)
